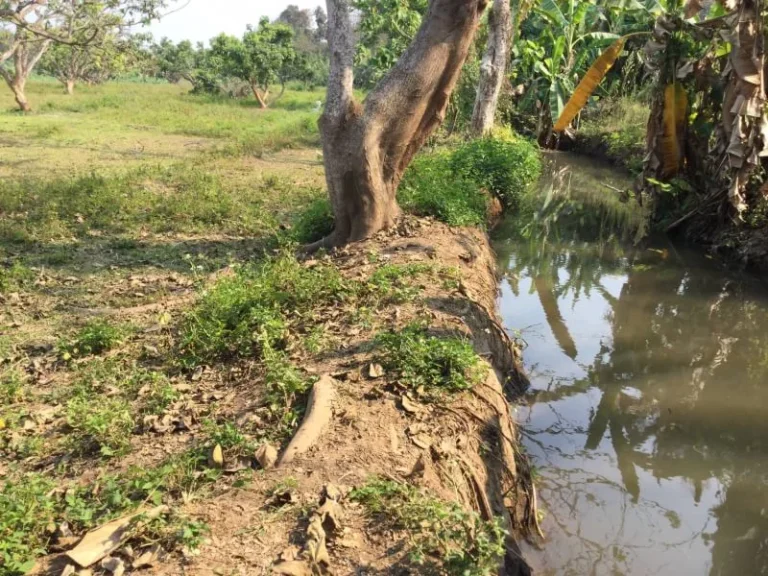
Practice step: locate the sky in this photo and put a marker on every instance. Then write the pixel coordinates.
(203, 19)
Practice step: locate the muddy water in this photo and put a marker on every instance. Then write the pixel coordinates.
(647, 418)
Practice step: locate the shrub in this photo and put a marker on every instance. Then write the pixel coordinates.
(502, 164)
(434, 363)
(429, 188)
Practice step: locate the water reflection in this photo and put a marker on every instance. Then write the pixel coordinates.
(648, 414)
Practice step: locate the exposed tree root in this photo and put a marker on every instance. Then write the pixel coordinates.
(317, 417)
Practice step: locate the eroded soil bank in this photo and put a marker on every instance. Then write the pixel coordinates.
(460, 449)
(402, 478)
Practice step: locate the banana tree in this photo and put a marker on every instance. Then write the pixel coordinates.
(568, 35)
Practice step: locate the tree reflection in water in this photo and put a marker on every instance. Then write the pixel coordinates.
(649, 410)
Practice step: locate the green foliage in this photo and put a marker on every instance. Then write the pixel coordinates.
(26, 512)
(386, 29)
(504, 165)
(441, 533)
(284, 383)
(393, 283)
(431, 188)
(14, 277)
(102, 424)
(243, 313)
(13, 384)
(432, 363)
(96, 337)
(315, 222)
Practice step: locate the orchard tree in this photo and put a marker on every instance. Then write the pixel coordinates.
(367, 146)
(32, 26)
(94, 63)
(264, 56)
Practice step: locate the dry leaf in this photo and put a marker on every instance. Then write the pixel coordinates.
(266, 456)
(104, 540)
(216, 457)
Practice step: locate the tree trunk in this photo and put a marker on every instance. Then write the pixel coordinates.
(260, 98)
(70, 86)
(368, 146)
(492, 67)
(18, 86)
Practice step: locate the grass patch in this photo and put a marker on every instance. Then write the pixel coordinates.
(315, 222)
(241, 314)
(441, 534)
(431, 363)
(100, 424)
(13, 386)
(621, 126)
(14, 277)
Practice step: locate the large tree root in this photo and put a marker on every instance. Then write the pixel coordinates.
(318, 416)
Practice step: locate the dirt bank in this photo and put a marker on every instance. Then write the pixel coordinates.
(460, 449)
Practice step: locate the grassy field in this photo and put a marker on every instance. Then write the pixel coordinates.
(115, 206)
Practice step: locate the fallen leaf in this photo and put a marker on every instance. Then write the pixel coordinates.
(423, 441)
(266, 456)
(114, 565)
(148, 557)
(375, 371)
(410, 406)
(293, 568)
(104, 540)
(216, 457)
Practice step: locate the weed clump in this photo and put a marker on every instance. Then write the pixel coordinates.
(14, 277)
(441, 533)
(96, 337)
(100, 424)
(504, 165)
(434, 364)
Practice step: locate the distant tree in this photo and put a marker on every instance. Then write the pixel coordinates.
(321, 24)
(265, 56)
(34, 25)
(109, 56)
(299, 20)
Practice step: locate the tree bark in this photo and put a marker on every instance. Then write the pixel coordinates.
(18, 88)
(492, 67)
(69, 86)
(368, 146)
(260, 98)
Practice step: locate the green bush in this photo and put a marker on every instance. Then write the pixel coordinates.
(502, 164)
(432, 363)
(430, 188)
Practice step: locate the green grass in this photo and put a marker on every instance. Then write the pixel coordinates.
(454, 185)
(502, 164)
(242, 314)
(103, 425)
(621, 126)
(441, 534)
(430, 363)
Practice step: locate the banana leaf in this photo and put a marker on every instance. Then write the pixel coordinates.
(589, 83)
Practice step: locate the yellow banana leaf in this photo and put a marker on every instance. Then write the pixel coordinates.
(675, 119)
(589, 83)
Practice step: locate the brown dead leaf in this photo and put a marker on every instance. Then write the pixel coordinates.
(292, 568)
(216, 457)
(266, 456)
(104, 540)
